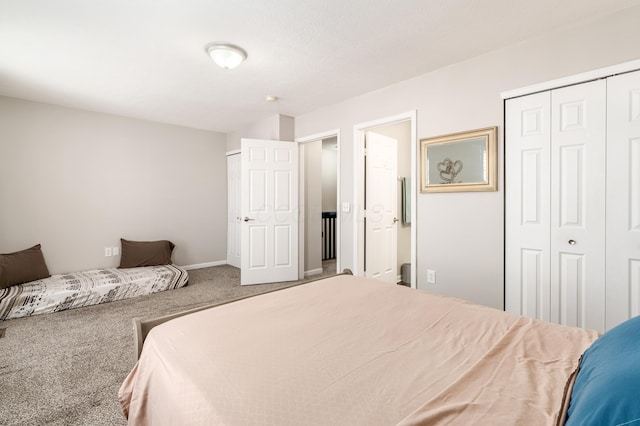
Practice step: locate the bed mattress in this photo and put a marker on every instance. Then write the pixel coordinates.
(352, 351)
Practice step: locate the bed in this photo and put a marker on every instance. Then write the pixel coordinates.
(352, 351)
(68, 291)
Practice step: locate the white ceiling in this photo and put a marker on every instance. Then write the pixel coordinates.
(146, 58)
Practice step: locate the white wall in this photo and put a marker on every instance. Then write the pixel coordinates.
(77, 181)
(276, 127)
(460, 235)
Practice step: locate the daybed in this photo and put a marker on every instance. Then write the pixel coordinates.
(353, 351)
(27, 288)
(67, 291)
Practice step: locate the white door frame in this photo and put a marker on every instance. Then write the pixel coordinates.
(573, 79)
(236, 220)
(301, 198)
(358, 188)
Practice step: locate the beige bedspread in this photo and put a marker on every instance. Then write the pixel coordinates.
(351, 351)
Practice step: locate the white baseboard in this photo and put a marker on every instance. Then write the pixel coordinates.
(313, 272)
(204, 265)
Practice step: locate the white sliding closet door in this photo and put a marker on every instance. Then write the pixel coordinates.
(623, 198)
(578, 180)
(527, 210)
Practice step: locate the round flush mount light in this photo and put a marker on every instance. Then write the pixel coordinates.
(270, 98)
(226, 55)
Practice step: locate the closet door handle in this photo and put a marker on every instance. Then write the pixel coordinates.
(246, 219)
(572, 242)
(395, 219)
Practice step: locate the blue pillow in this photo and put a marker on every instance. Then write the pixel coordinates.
(607, 387)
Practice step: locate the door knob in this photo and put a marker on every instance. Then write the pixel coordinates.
(246, 219)
(395, 219)
(572, 242)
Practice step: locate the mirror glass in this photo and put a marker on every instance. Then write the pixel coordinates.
(458, 162)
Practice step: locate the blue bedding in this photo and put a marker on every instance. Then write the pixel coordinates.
(607, 387)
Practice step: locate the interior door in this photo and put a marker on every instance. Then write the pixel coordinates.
(381, 216)
(527, 206)
(623, 198)
(578, 152)
(555, 205)
(233, 210)
(269, 206)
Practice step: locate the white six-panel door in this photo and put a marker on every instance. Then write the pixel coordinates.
(381, 231)
(623, 195)
(233, 210)
(578, 149)
(269, 206)
(555, 205)
(527, 206)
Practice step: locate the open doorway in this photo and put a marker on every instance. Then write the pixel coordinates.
(329, 218)
(319, 201)
(384, 190)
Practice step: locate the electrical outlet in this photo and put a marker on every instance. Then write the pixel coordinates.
(116, 251)
(431, 276)
(107, 251)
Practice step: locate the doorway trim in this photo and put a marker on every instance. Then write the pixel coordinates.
(359, 131)
(302, 199)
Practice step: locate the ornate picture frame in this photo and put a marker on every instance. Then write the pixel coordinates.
(460, 162)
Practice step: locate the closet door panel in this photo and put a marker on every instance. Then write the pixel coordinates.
(578, 148)
(527, 206)
(572, 290)
(623, 198)
(572, 186)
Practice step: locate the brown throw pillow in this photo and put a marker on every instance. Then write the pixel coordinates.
(22, 267)
(145, 253)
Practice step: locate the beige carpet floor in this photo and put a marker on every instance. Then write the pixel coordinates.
(66, 368)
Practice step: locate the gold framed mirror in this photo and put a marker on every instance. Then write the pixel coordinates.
(460, 162)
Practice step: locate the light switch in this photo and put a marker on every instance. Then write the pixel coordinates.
(107, 251)
(346, 207)
(116, 251)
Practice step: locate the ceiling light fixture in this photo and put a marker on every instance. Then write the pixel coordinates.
(226, 55)
(270, 98)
